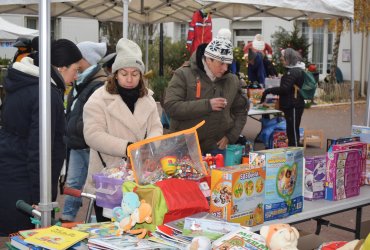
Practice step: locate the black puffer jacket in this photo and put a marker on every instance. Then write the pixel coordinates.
(19, 144)
(74, 137)
(286, 89)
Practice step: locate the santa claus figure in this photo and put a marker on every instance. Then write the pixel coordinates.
(258, 45)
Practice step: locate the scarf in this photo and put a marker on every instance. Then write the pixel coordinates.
(129, 96)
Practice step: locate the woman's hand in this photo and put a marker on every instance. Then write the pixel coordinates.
(223, 143)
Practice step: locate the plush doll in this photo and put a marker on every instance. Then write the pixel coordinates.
(280, 237)
(130, 201)
(140, 215)
(200, 243)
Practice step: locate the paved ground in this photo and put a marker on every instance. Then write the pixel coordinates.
(335, 121)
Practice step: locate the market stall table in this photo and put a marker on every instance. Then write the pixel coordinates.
(321, 208)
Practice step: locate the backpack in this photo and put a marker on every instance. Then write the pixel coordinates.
(309, 86)
(74, 138)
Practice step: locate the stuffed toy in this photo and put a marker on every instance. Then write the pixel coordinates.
(200, 243)
(258, 45)
(140, 215)
(280, 237)
(130, 201)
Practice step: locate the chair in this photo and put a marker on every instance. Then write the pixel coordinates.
(313, 136)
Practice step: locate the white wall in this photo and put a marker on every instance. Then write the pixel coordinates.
(78, 29)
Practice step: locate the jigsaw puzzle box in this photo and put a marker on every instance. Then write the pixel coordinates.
(284, 180)
(364, 133)
(314, 177)
(343, 172)
(237, 194)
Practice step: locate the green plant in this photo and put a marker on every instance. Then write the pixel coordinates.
(283, 39)
(5, 61)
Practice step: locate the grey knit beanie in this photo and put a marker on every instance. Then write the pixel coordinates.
(128, 55)
(92, 52)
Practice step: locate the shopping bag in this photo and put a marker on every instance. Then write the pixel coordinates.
(183, 198)
(175, 155)
(234, 154)
(153, 195)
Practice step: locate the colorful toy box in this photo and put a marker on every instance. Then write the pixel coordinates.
(360, 146)
(284, 180)
(237, 194)
(279, 139)
(343, 170)
(314, 177)
(340, 140)
(255, 95)
(364, 133)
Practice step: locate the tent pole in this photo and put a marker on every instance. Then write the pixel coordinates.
(125, 18)
(45, 205)
(367, 122)
(352, 74)
(146, 47)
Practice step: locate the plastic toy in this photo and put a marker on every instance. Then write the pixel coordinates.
(200, 243)
(140, 215)
(169, 164)
(130, 201)
(280, 237)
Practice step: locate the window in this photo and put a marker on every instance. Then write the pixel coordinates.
(318, 48)
(183, 32)
(330, 50)
(247, 32)
(32, 23)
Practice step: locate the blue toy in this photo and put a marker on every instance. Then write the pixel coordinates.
(130, 201)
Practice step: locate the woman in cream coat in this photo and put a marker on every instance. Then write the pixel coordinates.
(119, 113)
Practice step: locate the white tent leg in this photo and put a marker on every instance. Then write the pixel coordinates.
(367, 122)
(125, 18)
(352, 75)
(45, 205)
(146, 47)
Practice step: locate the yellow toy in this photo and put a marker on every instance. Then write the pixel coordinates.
(140, 215)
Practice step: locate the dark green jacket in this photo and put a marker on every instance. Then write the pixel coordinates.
(185, 110)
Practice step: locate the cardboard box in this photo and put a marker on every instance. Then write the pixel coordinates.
(343, 171)
(314, 178)
(284, 180)
(360, 146)
(279, 139)
(340, 140)
(237, 194)
(255, 95)
(364, 133)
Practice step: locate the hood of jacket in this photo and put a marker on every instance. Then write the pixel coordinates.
(25, 73)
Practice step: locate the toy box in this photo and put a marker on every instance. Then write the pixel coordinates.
(314, 177)
(364, 133)
(283, 185)
(356, 145)
(340, 140)
(342, 174)
(279, 139)
(237, 194)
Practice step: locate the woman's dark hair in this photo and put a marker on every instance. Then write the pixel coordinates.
(111, 86)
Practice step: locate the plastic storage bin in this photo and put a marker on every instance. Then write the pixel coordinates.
(108, 191)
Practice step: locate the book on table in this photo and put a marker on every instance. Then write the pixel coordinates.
(18, 242)
(56, 238)
(126, 242)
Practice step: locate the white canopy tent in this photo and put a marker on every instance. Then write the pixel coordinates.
(8, 28)
(145, 11)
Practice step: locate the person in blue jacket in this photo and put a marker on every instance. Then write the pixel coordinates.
(256, 68)
(19, 136)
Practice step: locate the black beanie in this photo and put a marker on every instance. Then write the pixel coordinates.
(64, 53)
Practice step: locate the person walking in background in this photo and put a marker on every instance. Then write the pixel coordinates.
(90, 78)
(204, 89)
(123, 111)
(19, 136)
(24, 48)
(291, 102)
(256, 68)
